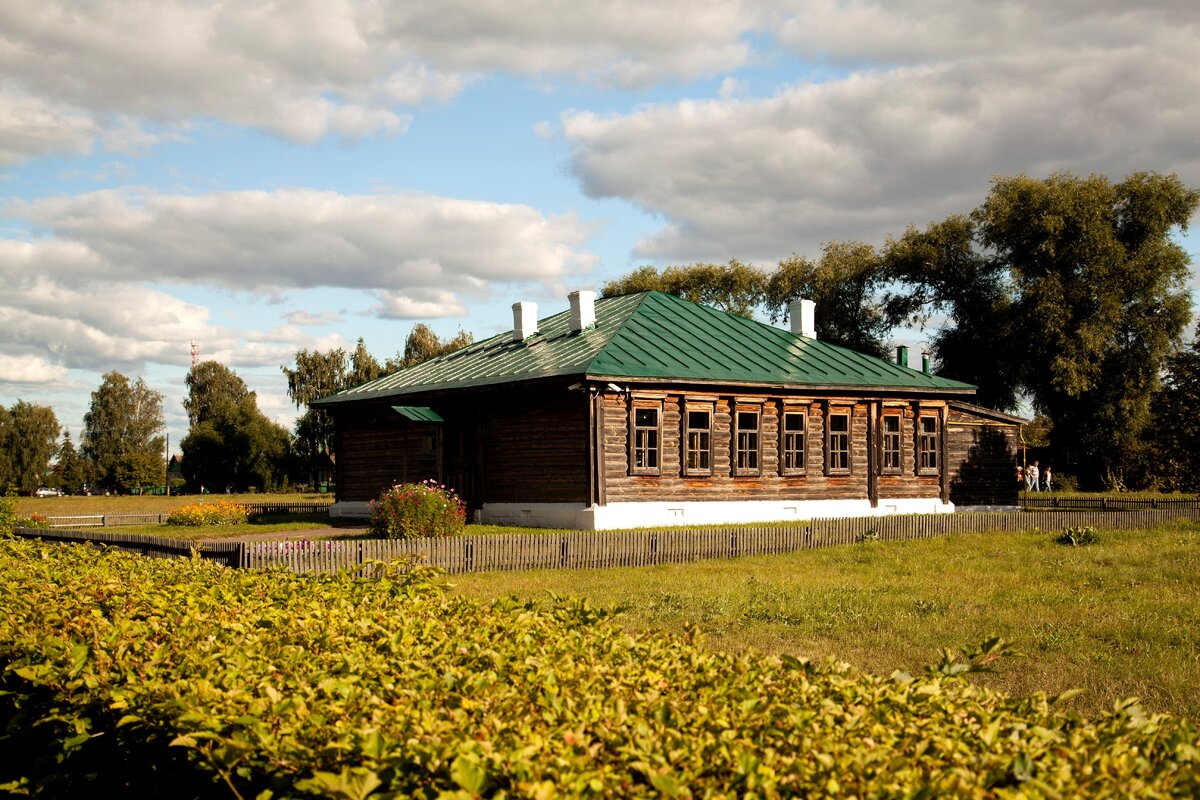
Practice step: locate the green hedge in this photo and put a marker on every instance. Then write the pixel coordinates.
(176, 678)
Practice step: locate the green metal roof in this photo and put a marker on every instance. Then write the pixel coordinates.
(418, 413)
(652, 335)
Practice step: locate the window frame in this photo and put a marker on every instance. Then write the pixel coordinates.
(736, 440)
(801, 465)
(847, 413)
(685, 438)
(928, 445)
(891, 444)
(645, 405)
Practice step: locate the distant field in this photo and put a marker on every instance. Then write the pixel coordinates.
(142, 504)
(1115, 619)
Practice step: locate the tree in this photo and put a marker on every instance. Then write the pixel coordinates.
(1173, 458)
(28, 435)
(69, 467)
(364, 367)
(1100, 298)
(845, 285)
(316, 375)
(941, 271)
(735, 287)
(232, 442)
(423, 344)
(121, 434)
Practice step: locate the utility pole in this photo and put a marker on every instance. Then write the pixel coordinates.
(167, 481)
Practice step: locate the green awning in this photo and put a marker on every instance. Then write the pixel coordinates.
(418, 413)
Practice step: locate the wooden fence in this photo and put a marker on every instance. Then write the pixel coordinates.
(227, 553)
(1110, 503)
(600, 549)
(114, 520)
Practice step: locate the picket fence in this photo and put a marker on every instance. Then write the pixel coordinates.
(601, 549)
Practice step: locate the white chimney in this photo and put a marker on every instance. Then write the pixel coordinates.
(802, 315)
(524, 320)
(583, 309)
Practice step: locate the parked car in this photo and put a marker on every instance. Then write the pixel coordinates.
(46, 491)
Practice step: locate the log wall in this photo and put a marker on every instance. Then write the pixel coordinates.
(621, 483)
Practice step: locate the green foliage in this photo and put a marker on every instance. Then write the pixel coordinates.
(415, 510)
(734, 287)
(69, 467)
(1102, 298)
(121, 434)
(232, 442)
(34, 520)
(28, 438)
(8, 511)
(1079, 536)
(1172, 457)
(423, 344)
(210, 512)
(313, 686)
(846, 285)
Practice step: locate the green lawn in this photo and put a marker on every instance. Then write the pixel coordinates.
(1114, 619)
(143, 504)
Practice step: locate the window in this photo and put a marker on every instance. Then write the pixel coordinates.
(837, 443)
(927, 445)
(646, 437)
(792, 449)
(746, 443)
(697, 441)
(890, 461)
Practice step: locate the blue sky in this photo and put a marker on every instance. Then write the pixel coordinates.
(263, 178)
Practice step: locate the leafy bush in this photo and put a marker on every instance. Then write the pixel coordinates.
(415, 510)
(35, 520)
(236, 683)
(1078, 537)
(216, 512)
(8, 511)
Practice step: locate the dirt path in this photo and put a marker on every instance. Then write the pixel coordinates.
(281, 536)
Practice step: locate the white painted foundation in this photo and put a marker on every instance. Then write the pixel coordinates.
(643, 515)
(347, 509)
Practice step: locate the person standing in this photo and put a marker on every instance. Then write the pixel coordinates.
(1031, 477)
(1047, 480)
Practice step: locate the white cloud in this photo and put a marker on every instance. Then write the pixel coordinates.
(430, 304)
(304, 70)
(300, 238)
(32, 126)
(862, 156)
(308, 318)
(29, 369)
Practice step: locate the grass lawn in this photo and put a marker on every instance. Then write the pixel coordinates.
(1115, 619)
(143, 504)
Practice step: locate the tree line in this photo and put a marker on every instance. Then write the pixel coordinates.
(1068, 293)
(230, 442)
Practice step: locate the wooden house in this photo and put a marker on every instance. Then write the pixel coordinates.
(651, 410)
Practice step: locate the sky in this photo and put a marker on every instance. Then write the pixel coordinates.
(264, 177)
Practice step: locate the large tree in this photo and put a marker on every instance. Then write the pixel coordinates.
(231, 443)
(1172, 456)
(846, 285)
(735, 287)
(69, 467)
(1100, 302)
(941, 272)
(315, 375)
(122, 442)
(423, 344)
(28, 439)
